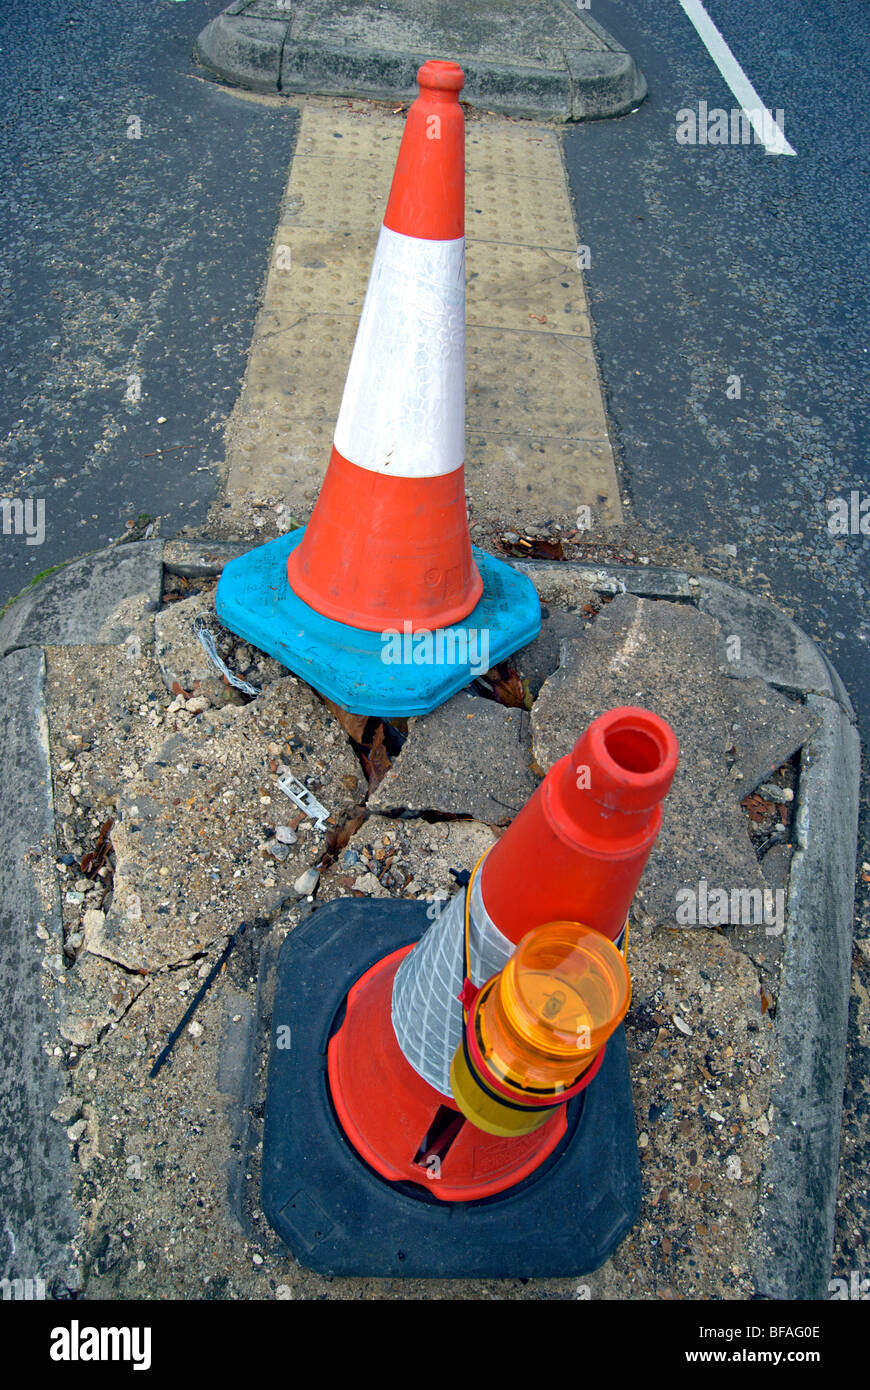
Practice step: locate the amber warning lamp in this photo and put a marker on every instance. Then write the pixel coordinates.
(535, 1033)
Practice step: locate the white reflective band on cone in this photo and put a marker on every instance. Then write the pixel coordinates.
(427, 1015)
(403, 408)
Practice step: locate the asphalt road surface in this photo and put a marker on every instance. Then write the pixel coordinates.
(710, 262)
(136, 203)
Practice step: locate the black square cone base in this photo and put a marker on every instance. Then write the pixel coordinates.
(339, 1217)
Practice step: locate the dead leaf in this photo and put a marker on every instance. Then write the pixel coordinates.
(530, 548)
(757, 808)
(376, 760)
(518, 547)
(506, 686)
(96, 858)
(340, 836)
(547, 550)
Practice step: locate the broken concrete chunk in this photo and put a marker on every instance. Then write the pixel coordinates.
(662, 657)
(469, 757)
(766, 729)
(67, 1109)
(95, 994)
(541, 658)
(370, 886)
(199, 559)
(188, 850)
(93, 601)
(278, 850)
(306, 883)
(94, 921)
(562, 587)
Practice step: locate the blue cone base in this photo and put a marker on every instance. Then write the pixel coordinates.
(368, 672)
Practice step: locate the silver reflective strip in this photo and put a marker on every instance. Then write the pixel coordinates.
(488, 949)
(427, 1015)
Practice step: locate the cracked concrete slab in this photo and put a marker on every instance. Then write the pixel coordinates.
(93, 997)
(198, 788)
(768, 729)
(769, 644)
(568, 587)
(541, 658)
(661, 656)
(469, 757)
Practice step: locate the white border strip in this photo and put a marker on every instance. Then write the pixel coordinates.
(760, 118)
(403, 408)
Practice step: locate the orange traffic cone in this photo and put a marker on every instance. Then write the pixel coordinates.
(388, 539)
(387, 550)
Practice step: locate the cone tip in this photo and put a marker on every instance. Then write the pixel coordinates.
(441, 76)
(636, 748)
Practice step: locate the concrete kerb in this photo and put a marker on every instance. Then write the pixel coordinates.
(793, 1248)
(35, 1169)
(556, 65)
(82, 603)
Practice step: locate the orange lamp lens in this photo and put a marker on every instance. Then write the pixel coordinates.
(542, 1021)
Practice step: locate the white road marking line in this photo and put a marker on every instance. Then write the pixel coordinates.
(760, 118)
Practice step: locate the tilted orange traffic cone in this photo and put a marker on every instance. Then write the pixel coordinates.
(570, 860)
(574, 853)
(473, 1113)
